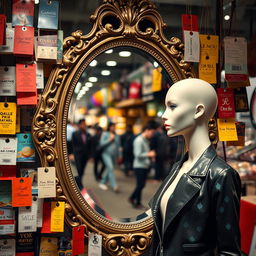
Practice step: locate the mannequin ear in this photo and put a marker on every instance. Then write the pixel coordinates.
(200, 110)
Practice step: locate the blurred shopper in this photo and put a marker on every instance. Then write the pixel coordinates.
(81, 141)
(70, 130)
(142, 162)
(97, 153)
(110, 143)
(127, 150)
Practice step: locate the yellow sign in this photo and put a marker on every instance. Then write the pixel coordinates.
(7, 118)
(209, 47)
(48, 246)
(157, 79)
(57, 216)
(227, 129)
(207, 72)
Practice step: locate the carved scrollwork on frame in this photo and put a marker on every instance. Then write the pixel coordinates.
(129, 23)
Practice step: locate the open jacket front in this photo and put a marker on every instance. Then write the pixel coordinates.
(202, 215)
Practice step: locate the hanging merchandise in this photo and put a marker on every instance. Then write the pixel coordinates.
(48, 246)
(94, 244)
(21, 192)
(25, 244)
(2, 29)
(60, 46)
(8, 47)
(235, 59)
(57, 216)
(40, 203)
(227, 129)
(25, 148)
(191, 37)
(5, 192)
(46, 222)
(39, 76)
(46, 182)
(7, 221)
(207, 71)
(26, 98)
(7, 118)
(32, 173)
(23, 41)
(8, 150)
(135, 90)
(22, 13)
(241, 100)
(226, 106)
(25, 77)
(157, 78)
(78, 240)
(7, 81)
(8, 247)
(240, 128)
(48, 14)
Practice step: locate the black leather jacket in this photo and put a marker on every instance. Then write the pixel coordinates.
(202, 216)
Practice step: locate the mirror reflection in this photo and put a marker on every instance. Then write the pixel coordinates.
(118, 150)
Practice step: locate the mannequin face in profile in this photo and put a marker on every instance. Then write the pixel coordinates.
(179, 115)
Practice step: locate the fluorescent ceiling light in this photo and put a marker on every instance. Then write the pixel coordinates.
(85, 89)
(109, 51)
(105, 72)
(93, 63)
(111, 63)
(125, 54)
(155, 64)
(78, 86)
(226, 17)
(93, 79)
(89, 84)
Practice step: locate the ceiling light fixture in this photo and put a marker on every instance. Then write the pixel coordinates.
(89, 84)
(111, 63)
(93, 79)
(156, 65)
(85, 89)
(78, 86)
(125, 54)
(93, 63)
(226, 17)
(105, 72)
(109, 51)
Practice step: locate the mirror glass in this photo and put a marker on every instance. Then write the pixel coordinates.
(127, 87)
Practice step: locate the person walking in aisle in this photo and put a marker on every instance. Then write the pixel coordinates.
(142, 162)
(81, 141)
(111, 143)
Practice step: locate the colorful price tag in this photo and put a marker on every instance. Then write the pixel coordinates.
(207, 71)
(8, 47)
(27, 218)
(7, 247)
(26, 98)
(227, 129)
(189, 22)
(25, 148)
(209, 48)
(94, 244)
(25, 244)
(7, 81)
(57, 216)
(240, 128)
(8, 151)
(21, 192)
(25, 77)
(157, 78)
(46, 182)
(7, 118)
(192, 46)
(46, 227)
(23, 12)
(226, 106)
(78, 240)
(2, 29)
(7, 221)
(23, 41)
(48, 246)
(47, 46)
(32, 173)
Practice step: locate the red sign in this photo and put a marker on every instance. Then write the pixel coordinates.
(226, 106)
(189, 22)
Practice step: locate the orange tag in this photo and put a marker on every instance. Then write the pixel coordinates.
(207, 71)
(209, 47)
(240, 127)
(21, 192)
(227, 129)
(26, 98)
(25, 77)
(23, 41)
(57, 216)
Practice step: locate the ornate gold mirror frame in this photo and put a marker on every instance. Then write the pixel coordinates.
(132, 23)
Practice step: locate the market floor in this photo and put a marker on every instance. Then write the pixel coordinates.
(115, 205)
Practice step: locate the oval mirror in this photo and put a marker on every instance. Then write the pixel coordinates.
(117, 24)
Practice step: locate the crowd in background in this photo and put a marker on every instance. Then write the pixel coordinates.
(134, 154)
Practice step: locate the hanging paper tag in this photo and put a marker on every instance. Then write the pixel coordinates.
(26, 77)
(189, 22)
(60, 47)
(240, 128)
(7, 81)
(7, 221)
(25, 244)
(2, 29)
(46, 227)
(40, 202)
(57, 216)
(7, 118)
(226, 107)
(47, 46)
(78, 240)
(241, 100)
(39, 76)
(239, 84)
(8, 47)
(27, 218)
(157, 79)
(94, 245)
(46, 182)
(192, 46)
(209, 47)
(22, 12)
(26, 98)
(7, 247)
(5, 192)
(48, 14)
(23, 41)
(235, 59)
(32, 173)
(8, 151)
(25, 148)
(227, 129)
(48, 246)
(207, 71)
(21, 192)
(7, 171)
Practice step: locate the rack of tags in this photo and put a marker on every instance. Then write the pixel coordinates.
(31, 220)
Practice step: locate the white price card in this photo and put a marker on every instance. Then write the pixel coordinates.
(192, 46)
(7, 81)
(94, 245)
(28, 217)
(8, 151)
(46, 182)
(7, 247)
(40, 202)
(7, 221)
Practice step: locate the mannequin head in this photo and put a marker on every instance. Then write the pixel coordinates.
(190, 103)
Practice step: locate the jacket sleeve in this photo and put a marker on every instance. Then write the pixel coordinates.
(227, 191)
(138, 149)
